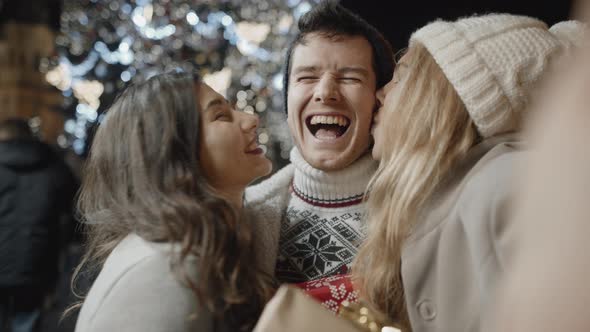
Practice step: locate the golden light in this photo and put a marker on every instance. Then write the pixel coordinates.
(88, 92)
(59, 77)
(219, 81)
(255, 33)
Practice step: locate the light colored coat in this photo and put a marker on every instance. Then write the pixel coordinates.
(137, 291)
(452, 262)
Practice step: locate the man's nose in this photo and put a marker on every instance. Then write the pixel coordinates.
(327, 90)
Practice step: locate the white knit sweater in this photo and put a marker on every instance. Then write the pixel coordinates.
(309, 221)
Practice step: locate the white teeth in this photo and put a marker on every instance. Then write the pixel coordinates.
(329, 119)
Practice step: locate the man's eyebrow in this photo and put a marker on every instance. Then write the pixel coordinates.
(357, 70)
(301, 69)
(215, 102)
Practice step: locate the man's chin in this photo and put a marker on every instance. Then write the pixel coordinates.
(328, 161)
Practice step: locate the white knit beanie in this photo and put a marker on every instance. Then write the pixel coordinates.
(570, 33)
(491, 61)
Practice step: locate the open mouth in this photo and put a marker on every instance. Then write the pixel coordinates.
(327, 126)
(253, 147)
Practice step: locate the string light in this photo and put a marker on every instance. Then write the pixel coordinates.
(236, 45)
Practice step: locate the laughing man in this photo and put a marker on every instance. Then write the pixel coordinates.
(312, 208)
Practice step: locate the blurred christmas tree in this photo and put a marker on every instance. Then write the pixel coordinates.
(237, 46)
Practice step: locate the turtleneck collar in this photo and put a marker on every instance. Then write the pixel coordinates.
(332, 189)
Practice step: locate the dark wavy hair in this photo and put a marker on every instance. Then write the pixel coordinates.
(143, 176)
(332, 20)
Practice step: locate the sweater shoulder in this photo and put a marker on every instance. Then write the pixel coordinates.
(275, 186)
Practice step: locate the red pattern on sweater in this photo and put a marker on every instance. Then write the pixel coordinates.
(331, 291)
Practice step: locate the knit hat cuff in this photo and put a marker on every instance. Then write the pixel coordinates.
(468, 73)
(570, 33)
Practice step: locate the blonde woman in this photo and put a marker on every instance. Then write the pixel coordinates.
(447, 140)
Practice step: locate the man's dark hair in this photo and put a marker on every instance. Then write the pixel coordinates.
(331, 20)
(15, 129)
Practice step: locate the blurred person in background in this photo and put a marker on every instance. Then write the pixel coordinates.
(36, 195)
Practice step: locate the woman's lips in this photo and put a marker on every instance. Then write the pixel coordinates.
(258, 150)
(253, 147)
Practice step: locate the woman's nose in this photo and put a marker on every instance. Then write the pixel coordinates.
(249, 121)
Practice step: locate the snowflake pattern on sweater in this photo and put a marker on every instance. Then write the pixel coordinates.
(317, 242)
(309, 222)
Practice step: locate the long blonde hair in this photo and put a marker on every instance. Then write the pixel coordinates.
(428, 131)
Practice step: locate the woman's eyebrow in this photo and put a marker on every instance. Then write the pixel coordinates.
(215, 102)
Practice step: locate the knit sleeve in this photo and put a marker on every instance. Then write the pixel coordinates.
(270, 188)
(265, 204)
(148, 298)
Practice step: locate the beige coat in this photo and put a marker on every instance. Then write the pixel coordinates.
(137, 291)
(452, 262)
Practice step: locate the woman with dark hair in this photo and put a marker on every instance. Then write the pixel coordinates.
(161, 199)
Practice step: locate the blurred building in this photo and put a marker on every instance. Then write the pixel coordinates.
(27, 37)
(24, 92)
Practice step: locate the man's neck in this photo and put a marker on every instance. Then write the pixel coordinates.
(334, 188)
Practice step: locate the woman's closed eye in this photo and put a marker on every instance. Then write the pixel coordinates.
(222, 115)
(219, 109)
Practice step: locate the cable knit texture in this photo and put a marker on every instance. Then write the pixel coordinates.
(491, 61)
(313, 217)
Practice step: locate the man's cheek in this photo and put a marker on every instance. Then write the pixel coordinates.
(291, 123)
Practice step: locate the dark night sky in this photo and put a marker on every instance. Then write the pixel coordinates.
(407, 16)
(397, 23)
(31, 11)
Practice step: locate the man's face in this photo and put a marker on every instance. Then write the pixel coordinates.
(331, 99)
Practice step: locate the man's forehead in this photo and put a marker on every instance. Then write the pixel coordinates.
(317, 39)
(328, 36)
(347, 51)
